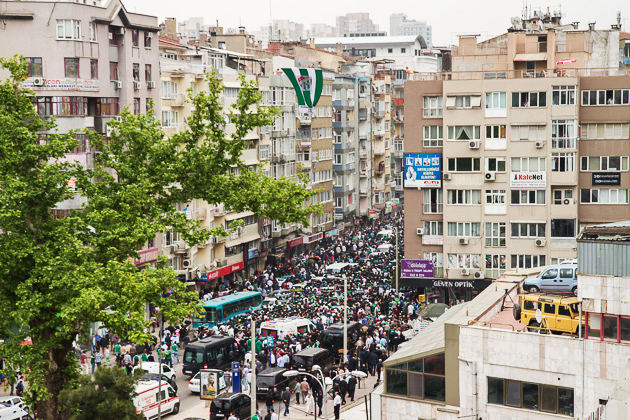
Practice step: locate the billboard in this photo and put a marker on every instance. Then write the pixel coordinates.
(416, 269)
(423, 170)
(528, 179)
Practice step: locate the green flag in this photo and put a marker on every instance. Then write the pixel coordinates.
(308, 84)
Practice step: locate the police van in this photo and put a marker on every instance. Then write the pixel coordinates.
(146, 402)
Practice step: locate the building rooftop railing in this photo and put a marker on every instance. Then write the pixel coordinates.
(518, 74)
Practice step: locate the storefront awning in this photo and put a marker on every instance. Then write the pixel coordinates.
(531, 57)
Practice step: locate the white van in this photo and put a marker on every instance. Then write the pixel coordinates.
(383, 249)
(383, 234)
(13, 412)
(338, 268)
(146, 401)
(286, 326)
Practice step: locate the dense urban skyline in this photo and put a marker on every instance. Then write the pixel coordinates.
(490, 20)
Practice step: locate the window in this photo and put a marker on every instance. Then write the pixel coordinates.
(562, 162)
(432, 107)
(520, 197)
(68, 29)
(528, 132)
(563, 134)
(34, 66)
(338, 160)
(107, 106)
(463, 102)
(495, 234)
(563, 95)
(464, 229)
(527, 261)
(113, 70)
(135, 37)
(147, 40)
(433, 135)
(527, 230)
(495, 197)
(169, 90)
(390, 50)
(421, 379)
(464, 132)
(464, 261)
(263, 153)
(495, 164)
(147, 72)
(136, 106)
(604, 163)
(560, 195)
(530, 396)
(463, 164)
(604, 196)
(606, 131)
(615, 328)
(495, 132)
(93, 32)
(466, 197)
(93, 69)
(432, 200)
(606, 97)
(495, 265)
(529, 99)
(528, 164)
(111, 33)
(61, 106)
(403, 50)
(563, 228)
(71, 67)
(433, 227)
(496, 100)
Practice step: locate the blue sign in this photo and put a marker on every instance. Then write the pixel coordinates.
(252, 253)
(269, 341)
(423, 170)
(236, 377)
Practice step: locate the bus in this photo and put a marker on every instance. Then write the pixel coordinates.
(225, 307)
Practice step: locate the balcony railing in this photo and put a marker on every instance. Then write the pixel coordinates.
(518, 74)
(432, 208)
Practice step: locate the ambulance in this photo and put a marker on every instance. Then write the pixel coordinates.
(146, 402)
(286, 326)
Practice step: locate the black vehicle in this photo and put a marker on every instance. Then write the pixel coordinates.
(209, 353)
(306, 359)
(155, 377)
(332, 338)
(272, 378)
(227, 403)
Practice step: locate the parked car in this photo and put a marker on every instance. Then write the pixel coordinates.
(271, 378)
(558, 278)
(155, 377)
(558, 314)
(14, 401)
(153, 367)
(229, 403)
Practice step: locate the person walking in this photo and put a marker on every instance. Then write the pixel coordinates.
(98, 359)
(320, 401)
(175, 348)
(343, 388)
(308, 400)
(352, 386)
(269, 400)
(286, 399)
(297, 390)
(84, 364)
(337, 405)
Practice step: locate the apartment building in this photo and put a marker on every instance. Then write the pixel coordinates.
(507, 126)
(382, 92)
(398, 137)
(86, 62)
(400, 25)
(364, 128)
(238, 255)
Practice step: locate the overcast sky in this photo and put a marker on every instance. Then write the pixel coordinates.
(448, 17)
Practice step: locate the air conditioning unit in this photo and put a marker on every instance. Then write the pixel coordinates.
(420, 231)
(222, 262)
(465, 272)
(446, 176)
(38, 81)
(117, 84)
(490, 176)
(480, 275)
(567, 201)
(540, 144)
(137, 85)
(187, 263)
(463, 241)
(473, 144)
(541, 242)
(120, 31)
(151, 84)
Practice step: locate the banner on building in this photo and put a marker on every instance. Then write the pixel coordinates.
(423, 170)
(308, 84)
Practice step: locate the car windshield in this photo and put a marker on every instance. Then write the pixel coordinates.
(265, 381)
(302, 360)
(193, 356)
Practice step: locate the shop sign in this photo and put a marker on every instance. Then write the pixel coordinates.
(528, 179)
(296, 242)
(313, 238)
(252, 253)
(425, 282)
(226, 270)
(395, 201)
(146, 256)
(432, 240)
(416, 269)
(373, 214)
(606, 178)
(331, 233)
(64, 84)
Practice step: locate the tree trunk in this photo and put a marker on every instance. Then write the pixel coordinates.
(56, 378)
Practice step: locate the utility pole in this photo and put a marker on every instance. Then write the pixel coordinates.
(345, 318)
(159, 399)
(253, 367)
(396, 259)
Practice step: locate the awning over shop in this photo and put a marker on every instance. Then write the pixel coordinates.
(224, 271)
(531, 57)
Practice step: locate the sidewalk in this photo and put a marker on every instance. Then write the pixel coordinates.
(350, 411)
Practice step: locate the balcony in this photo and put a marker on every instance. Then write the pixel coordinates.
(379, 171)
(363, 115)
(343, 103)
(379, 113)
(304, 119)
(380, 132)
(281, 157)
(379, 206)
(305, 165)
(363, 192)
(379, 152)
(363, 173)
(200, 214)
(343, 124)
(363, 153)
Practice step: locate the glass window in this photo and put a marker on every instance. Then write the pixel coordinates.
(624, 328)
(610, 327)
(434, 388)
(513, 393)
(434, 364)
(396, 382)
(530, 396)
(415, 381)
(34, 66)
(71, 67)
(495, 391)
(548, 398)
(565, 401)
(416, 365)
(594, 325)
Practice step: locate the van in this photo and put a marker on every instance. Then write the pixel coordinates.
(384, 234)
(339, 268)
(154, 368)
(385, 248)
(306, 359)
(555, 279)
(271, 378)
(560, 314)
(229, 403)
(286, 326)
(146, 402)
(209, 353)
(332, 337)
(13, 412)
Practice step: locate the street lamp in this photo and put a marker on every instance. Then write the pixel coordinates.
(326, 381)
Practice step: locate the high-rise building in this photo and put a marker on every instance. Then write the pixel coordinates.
(399, 25)
(353, 23)
(526, 126)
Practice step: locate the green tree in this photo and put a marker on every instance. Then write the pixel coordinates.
(57, 275)
(107, 396)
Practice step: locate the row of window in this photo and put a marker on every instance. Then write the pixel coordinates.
(423, 378)
(537, 164)
(70, 29)
(473, 229)
(534, 197)
(531, 396)
(72, 69)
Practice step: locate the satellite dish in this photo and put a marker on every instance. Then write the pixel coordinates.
(538, 316)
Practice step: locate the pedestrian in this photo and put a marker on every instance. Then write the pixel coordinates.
(343, 388)
(85, 369)
(286, 399)
(352, 385)
(98, 359)
(19, 388)
(337, 405)
(257, 415)
(175, 348)
(320, 401)
(297, 390)
(269, 400)
(274, 416)
(93, 361)
(232, 417)
(309, 402)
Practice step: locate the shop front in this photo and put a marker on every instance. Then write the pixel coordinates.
(224, 273)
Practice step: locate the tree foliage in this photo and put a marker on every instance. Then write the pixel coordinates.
(58, 275)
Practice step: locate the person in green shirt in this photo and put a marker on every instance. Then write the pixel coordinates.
(259, 346)
(256, 416)
(144, 356)
(169, 357)
(117, 349)
(175, 351)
